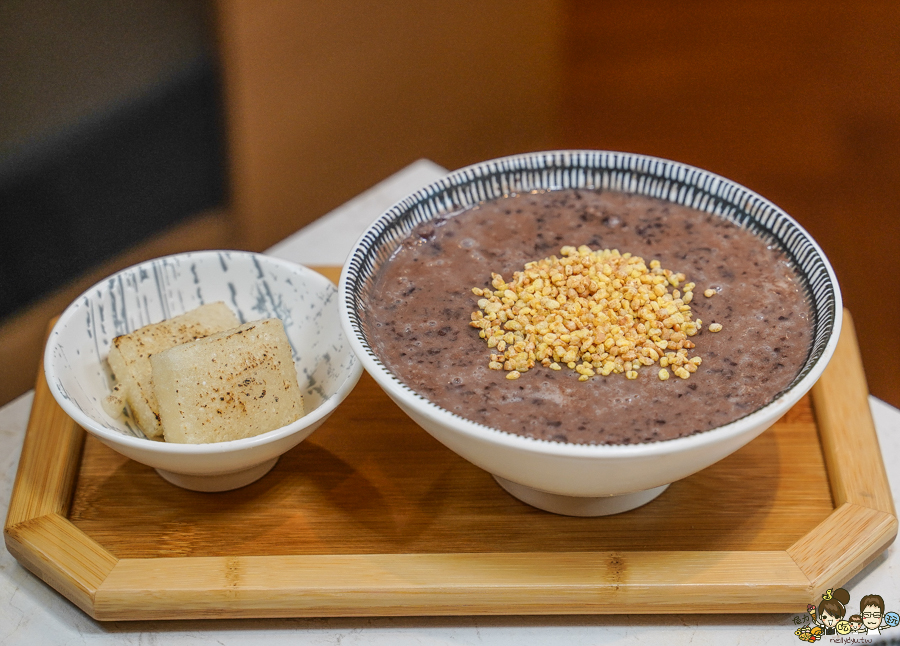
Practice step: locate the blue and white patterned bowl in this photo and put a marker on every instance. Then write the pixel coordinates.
(580, 479)
(254, 287)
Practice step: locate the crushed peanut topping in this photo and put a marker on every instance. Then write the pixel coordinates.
(715, 327)
(596, 312)
(709, 293)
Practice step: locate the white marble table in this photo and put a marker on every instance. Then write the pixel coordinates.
(33, 613)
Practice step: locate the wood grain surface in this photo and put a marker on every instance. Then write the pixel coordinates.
(370, 481)
(371, 516)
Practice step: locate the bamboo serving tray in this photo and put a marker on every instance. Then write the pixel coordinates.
(372, 517)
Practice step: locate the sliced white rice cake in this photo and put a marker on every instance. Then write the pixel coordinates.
(129, 358)
(227, 386)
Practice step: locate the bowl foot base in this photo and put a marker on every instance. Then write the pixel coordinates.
(578, 506)
(221, 481)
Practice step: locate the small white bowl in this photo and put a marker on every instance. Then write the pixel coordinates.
(254, 287)
(578, 479)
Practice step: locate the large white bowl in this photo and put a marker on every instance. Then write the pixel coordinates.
(255, 287)
(579, 479)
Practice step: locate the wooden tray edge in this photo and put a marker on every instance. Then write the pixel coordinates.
(864, 522)
(49, 462)
(62, 556)
(451, 584)
(847, 431)
(842, 545)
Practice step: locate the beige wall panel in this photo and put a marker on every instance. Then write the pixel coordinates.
(325, 99)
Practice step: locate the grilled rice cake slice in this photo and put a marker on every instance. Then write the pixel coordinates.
(227, 386)
(129, 359)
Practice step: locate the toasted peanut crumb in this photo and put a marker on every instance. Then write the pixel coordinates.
(594, 311)
(715, 327)
(663, 374)
(709, 293)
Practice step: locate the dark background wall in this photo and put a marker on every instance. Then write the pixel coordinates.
(110, 131)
